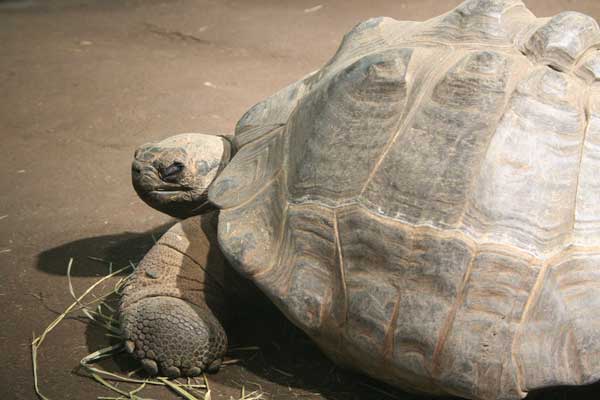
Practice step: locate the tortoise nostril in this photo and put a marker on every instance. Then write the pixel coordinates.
(136, 168)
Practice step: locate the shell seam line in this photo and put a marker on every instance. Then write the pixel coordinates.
(469, 239)
(390, 339)
(279, 253)
(533, 296)
(449, 322)
(341, 266)
(588, 118)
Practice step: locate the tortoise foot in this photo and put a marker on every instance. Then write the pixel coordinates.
(172, 337)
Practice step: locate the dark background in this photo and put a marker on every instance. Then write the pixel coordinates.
(82, 83)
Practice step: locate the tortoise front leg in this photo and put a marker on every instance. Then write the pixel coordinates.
(174, 305)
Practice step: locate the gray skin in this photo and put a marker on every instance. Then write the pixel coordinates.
(425, 207)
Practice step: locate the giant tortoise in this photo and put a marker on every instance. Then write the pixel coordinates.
(426, 207)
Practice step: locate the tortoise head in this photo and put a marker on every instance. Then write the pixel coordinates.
(173, 175)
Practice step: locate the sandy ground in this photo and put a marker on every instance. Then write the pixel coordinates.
(83, 83)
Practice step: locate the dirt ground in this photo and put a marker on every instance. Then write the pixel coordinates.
(83, 83)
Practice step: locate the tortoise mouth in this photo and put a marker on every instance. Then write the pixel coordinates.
(159, 192)
(175, 194)
(181, 203)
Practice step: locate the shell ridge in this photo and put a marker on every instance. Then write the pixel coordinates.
(537, 288)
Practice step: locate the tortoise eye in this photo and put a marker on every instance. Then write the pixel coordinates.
(170, 173)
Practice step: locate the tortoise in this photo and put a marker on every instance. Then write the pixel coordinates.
(425, 207)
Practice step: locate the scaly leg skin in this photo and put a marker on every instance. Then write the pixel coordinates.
(173, 306)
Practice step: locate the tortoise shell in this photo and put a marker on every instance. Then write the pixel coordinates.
(426, 207)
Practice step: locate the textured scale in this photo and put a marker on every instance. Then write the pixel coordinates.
(181, 278)
(425, 206)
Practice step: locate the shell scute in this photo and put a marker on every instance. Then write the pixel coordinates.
(305, 281)
(563, 40)
(413, 275)
(253, 167)
(440, 143)
(558, 344)
(249, 234)
(474, 353)
(534, 157)
(358, 108)
(476, 21)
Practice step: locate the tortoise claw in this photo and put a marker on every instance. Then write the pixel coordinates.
(214, 366)
(172, 372)
(150, 366)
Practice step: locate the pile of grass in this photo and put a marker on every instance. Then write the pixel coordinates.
(99, 312)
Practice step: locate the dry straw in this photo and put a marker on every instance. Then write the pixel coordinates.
(106, 320)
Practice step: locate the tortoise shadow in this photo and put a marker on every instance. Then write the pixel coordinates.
(93, 254)
(92, 257)
(289, 358)
(591, 391)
